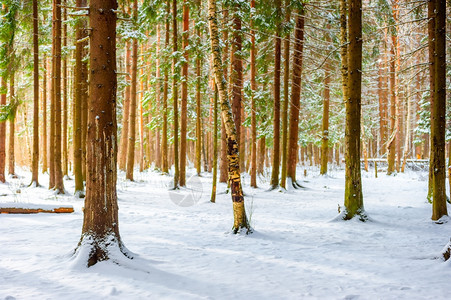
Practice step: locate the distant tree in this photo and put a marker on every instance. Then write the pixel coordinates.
(35, 158)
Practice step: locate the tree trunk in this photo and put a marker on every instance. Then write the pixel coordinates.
(223, 162)
(353, 183)
(295, 97)
(3, 89)
(126, 111)
(44, 118)
(325, 125)
(100, 234)
(65, 88)
(184, 103)
(175, 72)
(438, 118)
(236, 75)
(215, 147)
(78, 104)
(286, 81)
(253, 108)
(142, 143)
(239, 213)
(158, 161)
(164, 140)
(431, 52)
(276, 107)
(12, 101)
(56, 179)
(35, 159)
(133, 104)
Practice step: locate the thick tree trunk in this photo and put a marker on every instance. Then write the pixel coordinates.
(35, 158)
(239, 213)
(100, 234)
(431, 52)
(353, 183)
(184, 103)
(295, 97)
(158, 161)
(175, 71)
(438, 118)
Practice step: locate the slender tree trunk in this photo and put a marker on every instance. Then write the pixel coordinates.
(100, 234)
(3, 88)
(78, 104)
(236, 75)
(12, 101)
(65, 88)
(126, 111)
(253, 107)
(438, 118)
(215, 147)
(325, 125)
(295, 97)
(158, 161)
(175, 72)
(394, 120)
(239, 213)
(133, 104)
(142, 144)
(44, 118)
(35, 158)
(353, 183)
(223, 174)
(184, 113)
(198, 113)
(56, 173)
(276, 107)
(286, 82)
(164, 140)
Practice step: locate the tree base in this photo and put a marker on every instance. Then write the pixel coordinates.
(93, 249)
(361, 215)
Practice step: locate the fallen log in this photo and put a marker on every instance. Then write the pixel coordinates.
(33, 210)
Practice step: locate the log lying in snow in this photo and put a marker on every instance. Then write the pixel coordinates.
(25, 208)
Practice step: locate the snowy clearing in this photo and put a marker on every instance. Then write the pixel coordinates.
(183, 247)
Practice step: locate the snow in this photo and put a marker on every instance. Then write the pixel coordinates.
(183, 248)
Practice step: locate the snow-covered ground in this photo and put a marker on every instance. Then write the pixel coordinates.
(184, 249)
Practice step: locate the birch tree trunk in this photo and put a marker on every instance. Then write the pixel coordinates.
(239, 213)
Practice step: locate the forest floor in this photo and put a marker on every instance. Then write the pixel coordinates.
(183, 247)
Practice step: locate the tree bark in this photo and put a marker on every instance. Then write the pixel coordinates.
(239, 213)
(253, 107)
(325, 125)
(12, 101)
(438, 116)
(133, 104)
(44, 118)
(353, 183)
(100, 234)
(223, 174)
(286, 82)
(164, 140)
(184, 98)
(175, 72)
(126, 111)
(276, 107)
(65, 88)
(295, 97)
(78, 103)
(35, 158)
(431, 53)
